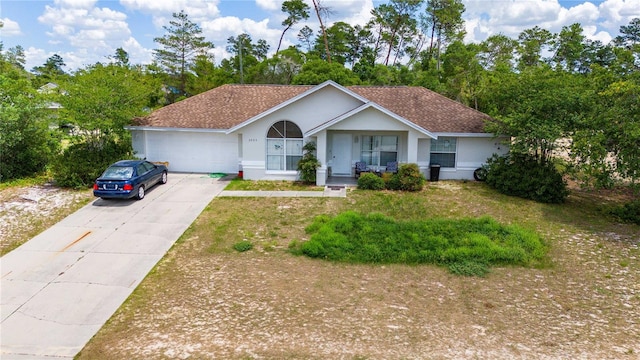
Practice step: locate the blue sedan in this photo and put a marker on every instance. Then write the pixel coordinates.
(129, 178)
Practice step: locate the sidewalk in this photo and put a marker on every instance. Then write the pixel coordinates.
(329, 191)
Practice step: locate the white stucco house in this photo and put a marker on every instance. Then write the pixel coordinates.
(260, 130)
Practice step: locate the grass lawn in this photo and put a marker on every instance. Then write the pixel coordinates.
(206, 300)
(271, 185)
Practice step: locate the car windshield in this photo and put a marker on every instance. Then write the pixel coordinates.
(118, 172)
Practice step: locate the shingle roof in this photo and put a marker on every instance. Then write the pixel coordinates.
(229, 105)
(426, 108)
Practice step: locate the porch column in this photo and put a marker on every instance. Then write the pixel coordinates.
(412, 147)
(321, 153)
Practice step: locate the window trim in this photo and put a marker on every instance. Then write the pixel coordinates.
(443, 151)
(380, 150)
(285, 154)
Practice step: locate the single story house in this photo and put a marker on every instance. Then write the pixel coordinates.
(261, 129)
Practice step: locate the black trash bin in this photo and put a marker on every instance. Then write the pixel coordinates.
(435, 172)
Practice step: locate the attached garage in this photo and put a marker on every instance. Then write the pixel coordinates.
(188, 151)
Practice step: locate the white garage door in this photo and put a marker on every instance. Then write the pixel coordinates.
(194, 151)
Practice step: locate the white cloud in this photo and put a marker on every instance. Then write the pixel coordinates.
(198, 10)
(220, 29)
(512, 17)
(9, 28)
(356, 12)
(86, 34)
(80, 4)
(269, 5)
(509, 18)
(616, 13)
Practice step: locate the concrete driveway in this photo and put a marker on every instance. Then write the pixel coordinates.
(59, 288)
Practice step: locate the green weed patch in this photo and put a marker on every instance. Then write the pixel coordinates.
(464, 246)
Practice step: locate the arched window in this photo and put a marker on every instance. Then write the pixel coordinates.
(284, 146)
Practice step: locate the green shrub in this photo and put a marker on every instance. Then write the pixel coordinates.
(242, 246)
(523, 176)
(409, 178)
(309, 164)
(370, 181)
(82, 163)
(629, 212)
(465, 246)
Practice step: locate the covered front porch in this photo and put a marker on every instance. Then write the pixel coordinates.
(339, 150)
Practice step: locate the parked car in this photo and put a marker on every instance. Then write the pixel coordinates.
(129, 178)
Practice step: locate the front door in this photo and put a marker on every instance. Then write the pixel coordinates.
(341, 154)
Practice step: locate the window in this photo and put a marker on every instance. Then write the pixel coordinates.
(284, 146)
(379, 150)
(443, 152)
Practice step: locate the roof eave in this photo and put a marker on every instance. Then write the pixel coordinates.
(177, 129)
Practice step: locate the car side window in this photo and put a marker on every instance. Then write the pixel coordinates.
(141, 169)
(149, 165)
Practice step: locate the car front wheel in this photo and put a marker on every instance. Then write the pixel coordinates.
(163, 180)
(140, 195)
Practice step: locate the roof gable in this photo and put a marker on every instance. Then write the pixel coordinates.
(308, 92)
(368, 105)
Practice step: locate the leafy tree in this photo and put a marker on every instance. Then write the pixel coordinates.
(121, 57)
(305, 35)
(532, 43)
(179, 48)
(443, 20)
(100, 101)
(206, 75)
(596, 53)
(297, 10)
(281, 68)
(463, 73)
(396, 22)
(629, 37)
(606, 143)
(15, 56)
(537, 107)
(26, 143)
(247, 55)
(50, 71)
(497, 51)
(340, 37)
(569, 47)
(318, 71)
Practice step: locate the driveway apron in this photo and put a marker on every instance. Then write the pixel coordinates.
(59, 288)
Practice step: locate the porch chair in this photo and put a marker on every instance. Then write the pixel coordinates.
(361, 167)
(392, 167)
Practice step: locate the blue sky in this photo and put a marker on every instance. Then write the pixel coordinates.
(86, 31)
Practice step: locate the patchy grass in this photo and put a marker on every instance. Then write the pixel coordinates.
(30, 181)
(30, 206)
(269, 185)
(206, 300)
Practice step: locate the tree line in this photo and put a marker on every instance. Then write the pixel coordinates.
(554, 93)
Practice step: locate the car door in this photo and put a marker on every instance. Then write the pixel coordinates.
(154, 172)
(144, 176)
